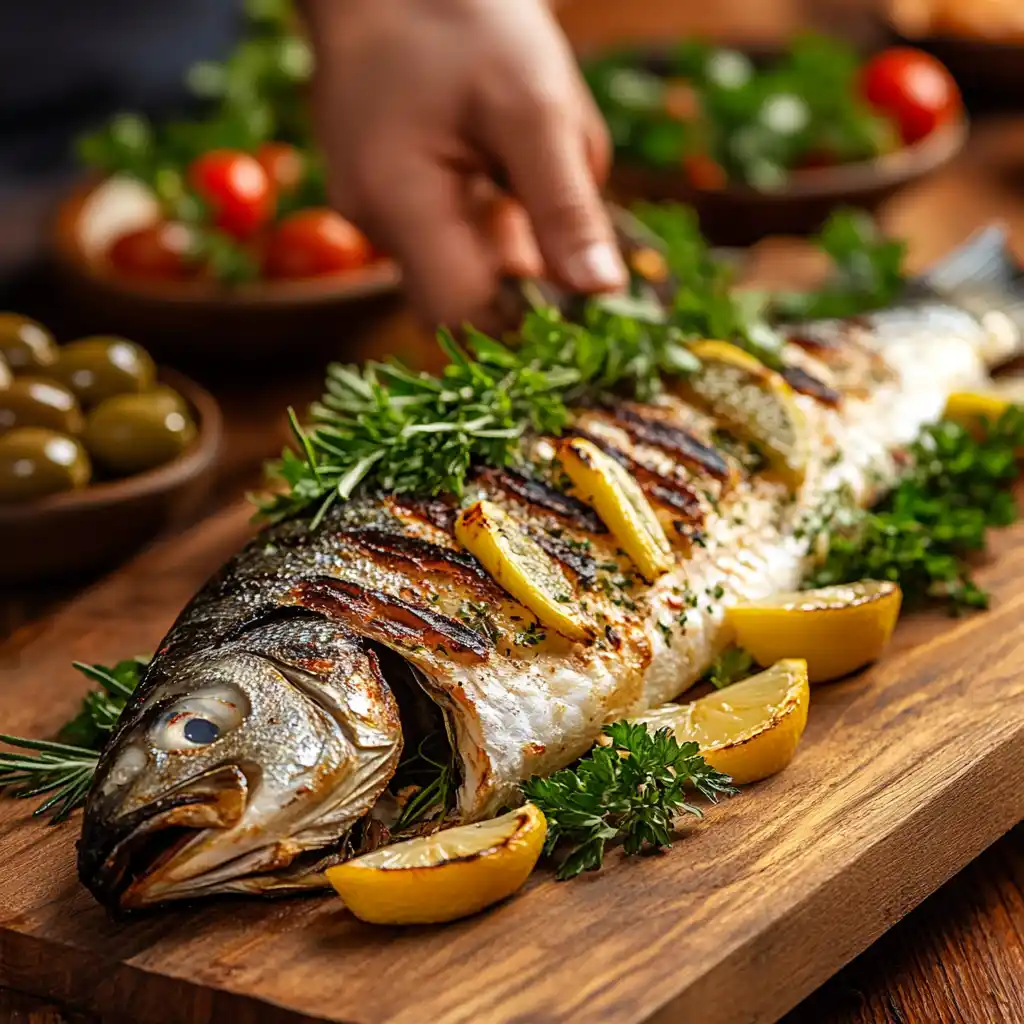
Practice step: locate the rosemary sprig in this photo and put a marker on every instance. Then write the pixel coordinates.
(58, 769)
(633, 790)
(65, 770)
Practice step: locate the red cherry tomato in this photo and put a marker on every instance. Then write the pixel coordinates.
(703, 172)
(913, 88)
(158, 252)
(283, 163)
(237, 188)
(313, 242)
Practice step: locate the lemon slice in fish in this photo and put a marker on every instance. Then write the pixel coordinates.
(836, 630)
(450, 874)
(520, 565)
(749, 730)
(754, 401)
(616, 497)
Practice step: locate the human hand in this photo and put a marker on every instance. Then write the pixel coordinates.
(421, 104)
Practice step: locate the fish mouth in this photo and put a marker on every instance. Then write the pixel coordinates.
(117, 857)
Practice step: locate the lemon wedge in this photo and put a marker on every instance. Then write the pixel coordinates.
(520, 565)
(749, 730)
(623, 507)
(450, 874)
(836, 630)
(972, 408)
(754, 401)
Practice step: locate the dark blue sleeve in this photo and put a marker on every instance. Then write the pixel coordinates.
(66, 65)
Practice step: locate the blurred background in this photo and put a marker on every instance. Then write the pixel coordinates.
(123, 126)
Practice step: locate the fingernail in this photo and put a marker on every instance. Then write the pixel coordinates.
(597, 268)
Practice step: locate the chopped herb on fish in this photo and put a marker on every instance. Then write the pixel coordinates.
(631, 790)
(732, 665)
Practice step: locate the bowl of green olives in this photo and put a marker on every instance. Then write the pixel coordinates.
(99, 450)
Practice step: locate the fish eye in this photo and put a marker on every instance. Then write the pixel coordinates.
(197, 721)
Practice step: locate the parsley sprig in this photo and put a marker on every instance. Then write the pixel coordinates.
(63, 771)
(923, 535)
(633, 790)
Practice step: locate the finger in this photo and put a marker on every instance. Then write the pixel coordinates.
(597, 137)
(449, 269)
(549, 170)
(513, 239)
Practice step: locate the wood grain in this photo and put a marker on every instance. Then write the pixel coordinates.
(904, 776)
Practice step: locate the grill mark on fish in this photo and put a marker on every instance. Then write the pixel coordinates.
(807, 384)
(423, 554)
(672, 439)
(584, 567)
(540, 493)
(268, 616)
(389, 620)
(674, 493)
(435, 511)
(814, 343)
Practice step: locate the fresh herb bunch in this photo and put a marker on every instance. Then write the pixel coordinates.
(739, 122)
(63, 771)
(632, 790)
(867, 271)
(924, 533)
(384, 426)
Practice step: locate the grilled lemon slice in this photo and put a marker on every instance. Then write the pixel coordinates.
(520, 565)
(616, 497)
(973, 408)
(451, 874)
(754, 401)
(836, 630)
(749, 730)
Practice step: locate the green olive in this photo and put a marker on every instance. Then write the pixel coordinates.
(36, 462)
(132, 433)
(27, 346)
(33, 402)
(99, 368)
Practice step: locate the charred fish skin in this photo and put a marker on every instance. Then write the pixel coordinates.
(280, 649)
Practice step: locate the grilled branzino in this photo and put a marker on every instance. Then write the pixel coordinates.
(268, 737)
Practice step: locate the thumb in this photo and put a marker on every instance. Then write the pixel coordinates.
(550, 172)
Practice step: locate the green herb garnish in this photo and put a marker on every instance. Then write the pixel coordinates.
(64, 771)
(632, 790)
(923, 534)
(732, 665)
(867, 271)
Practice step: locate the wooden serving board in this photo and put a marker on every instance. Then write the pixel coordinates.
(904, 775)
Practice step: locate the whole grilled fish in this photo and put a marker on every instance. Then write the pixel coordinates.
(280, 726)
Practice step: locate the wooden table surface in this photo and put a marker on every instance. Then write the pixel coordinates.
(960, 956)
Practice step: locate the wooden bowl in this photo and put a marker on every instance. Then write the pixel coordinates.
(202, 324)
(741, 215)
(81, 531)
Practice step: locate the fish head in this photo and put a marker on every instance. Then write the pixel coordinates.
(229, 767)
